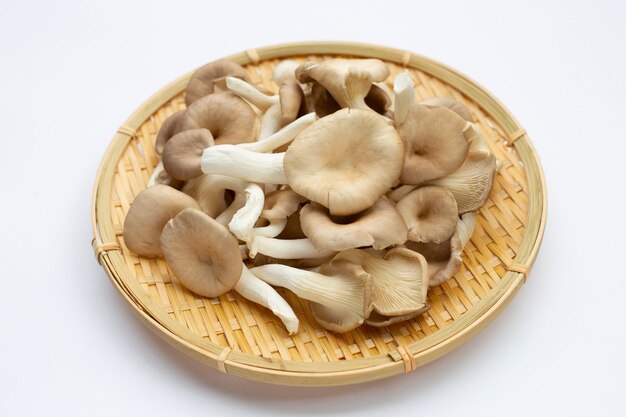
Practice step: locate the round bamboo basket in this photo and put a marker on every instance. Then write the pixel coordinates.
(242, 338)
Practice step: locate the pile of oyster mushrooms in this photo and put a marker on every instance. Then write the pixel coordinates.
(341, 188)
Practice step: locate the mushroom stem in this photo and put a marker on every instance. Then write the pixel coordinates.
(227, 215)
(258, 291)
(208, 191)
(400, 192)
(244, 219)
(334, 293)
(237, 162)
(282, 137)
(270, 122)
(405, 96)
(249, 93)
(275, 228)
(286, 248)
(158, 170)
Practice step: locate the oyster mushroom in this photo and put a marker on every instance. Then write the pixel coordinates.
(206, 258)
(435, 145)
(229, 118)
(471, 184)
(430, 213)
(178, 153)
(148, 214)
(380, 320)
(405, 96)
(347, 80)
(169, 128)
(345, 161)
(444, 258)
(342, 293)
(399, 278)
(379, 226)
(201, 82)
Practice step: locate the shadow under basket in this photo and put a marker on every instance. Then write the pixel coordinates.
(241, 338)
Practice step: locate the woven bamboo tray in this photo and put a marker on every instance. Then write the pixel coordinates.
(242, 338)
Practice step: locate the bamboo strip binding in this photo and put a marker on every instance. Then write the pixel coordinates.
(230, 331)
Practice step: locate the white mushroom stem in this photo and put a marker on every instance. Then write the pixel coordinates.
(404, 98)
(256, 290)
(155, 174)
(275, 228)
(399, 193)
(270, 122)
(286, 248)
(330, 291)
(249, 93)
(465, 227)
(245, 218)
(282, 137)
(227, 215)
(234, 161)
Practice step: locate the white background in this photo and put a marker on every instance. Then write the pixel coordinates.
(70, 74)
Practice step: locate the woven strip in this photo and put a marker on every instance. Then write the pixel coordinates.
(407, 358)
(222, 358)
(99, 248)
(123, 130)
(406, 58)
(253, 55)
(519, 268)
(515, 136)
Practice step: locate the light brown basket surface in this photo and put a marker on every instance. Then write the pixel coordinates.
(242, 338)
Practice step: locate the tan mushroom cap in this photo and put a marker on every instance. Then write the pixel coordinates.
(378, 100)
(345, 161)
(449, 103)
(201, 82)
(149, 213)
(430, 213)
(347, 80)
(341, 321)
(281, 204)
(203, 254)
(380, 226)
(182, 153)
(380, 320)
(399, 278)
(471, 184)
(169, 128)
(443, 259)
(435, 145)
(229, 118)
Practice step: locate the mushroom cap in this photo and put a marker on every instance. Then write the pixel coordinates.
(380, 320)
(430, 213)
(449, 103)
(229, 118)
(342, 321)
(378, 100)
(379, 226)
(291, 101)
(149, 213)
(443, 259)
(320, 101)
(201, 82)
(347, 80)
(281, 204)
(434, 143)
(399, 278)
(345, 161)
(471, 184)
(182, 154)
(203, 254)
(170, 127)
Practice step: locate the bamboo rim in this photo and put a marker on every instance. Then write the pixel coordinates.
(406, 358)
